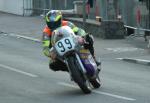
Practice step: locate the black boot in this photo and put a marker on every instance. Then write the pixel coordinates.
(98, 63)
(90, 42)
(58, 66)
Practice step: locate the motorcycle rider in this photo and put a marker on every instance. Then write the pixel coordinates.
(54, 20)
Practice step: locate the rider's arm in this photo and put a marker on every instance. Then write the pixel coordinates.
(73, 27)
(46, 44)
(77, 30)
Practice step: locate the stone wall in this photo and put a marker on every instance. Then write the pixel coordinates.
(113, 29)
(105, 29)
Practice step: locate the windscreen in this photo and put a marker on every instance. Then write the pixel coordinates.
(60, 33)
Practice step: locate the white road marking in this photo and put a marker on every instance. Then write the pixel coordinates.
(143, 60)
(114, 95)
(123, 49)
(140, 61)
(25, 37)
(18, 71)
(21, 36)
(99, 92)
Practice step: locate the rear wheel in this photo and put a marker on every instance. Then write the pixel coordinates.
(77, 75)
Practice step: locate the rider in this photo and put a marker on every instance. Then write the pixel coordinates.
(54, 20)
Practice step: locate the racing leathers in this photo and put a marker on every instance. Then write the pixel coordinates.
(46, 40)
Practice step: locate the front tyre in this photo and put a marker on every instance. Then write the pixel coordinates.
(77, 74)
(96, 83)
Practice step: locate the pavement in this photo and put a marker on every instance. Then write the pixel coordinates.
(31, 28)
(26, 26)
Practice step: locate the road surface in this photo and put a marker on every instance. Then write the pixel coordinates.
(26, 78)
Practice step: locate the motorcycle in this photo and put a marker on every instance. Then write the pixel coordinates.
(69, 48)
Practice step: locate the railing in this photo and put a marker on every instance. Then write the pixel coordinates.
(136, 31)
(133, 31)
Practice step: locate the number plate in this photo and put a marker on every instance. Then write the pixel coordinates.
(64, 45)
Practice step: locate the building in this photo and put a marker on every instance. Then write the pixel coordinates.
(12, 6)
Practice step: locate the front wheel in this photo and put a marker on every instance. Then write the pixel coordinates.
(77, 75)
(96, 83)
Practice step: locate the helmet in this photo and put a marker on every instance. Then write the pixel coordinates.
(53, 19)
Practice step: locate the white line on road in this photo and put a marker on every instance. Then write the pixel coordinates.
(26, 37)
(18, 71)
(123, 49)
(113, 95)
(21, 36)
(99, 92)
(139, 61)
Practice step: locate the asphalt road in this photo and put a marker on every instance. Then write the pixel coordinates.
(26, 78)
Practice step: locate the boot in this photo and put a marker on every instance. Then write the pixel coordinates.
(90, 41)
(96, 61)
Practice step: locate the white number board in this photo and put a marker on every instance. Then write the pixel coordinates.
(64, 45)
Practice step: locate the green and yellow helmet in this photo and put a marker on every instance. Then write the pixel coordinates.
(53, 19)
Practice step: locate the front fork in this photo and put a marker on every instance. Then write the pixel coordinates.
(80, 63)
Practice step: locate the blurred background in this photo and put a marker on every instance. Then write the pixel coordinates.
(130, 12)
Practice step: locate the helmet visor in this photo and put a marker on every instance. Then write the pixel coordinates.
(54, 24)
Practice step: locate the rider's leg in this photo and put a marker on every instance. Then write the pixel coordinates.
(90, 40)
(58, 65)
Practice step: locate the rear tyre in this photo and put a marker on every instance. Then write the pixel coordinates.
(77, 75)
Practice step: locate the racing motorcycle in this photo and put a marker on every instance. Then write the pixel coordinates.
(69, 48)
